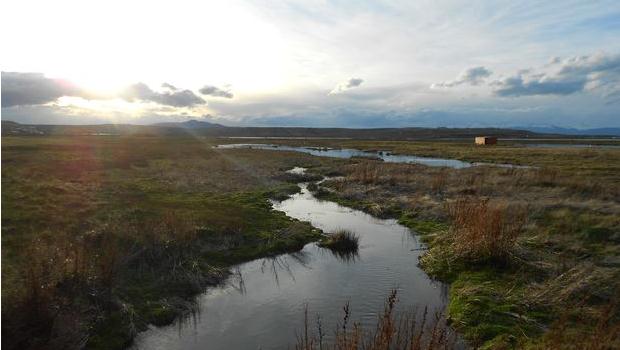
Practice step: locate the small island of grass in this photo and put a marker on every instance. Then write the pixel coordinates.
(341, 241)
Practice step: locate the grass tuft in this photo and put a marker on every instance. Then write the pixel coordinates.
(341, 241)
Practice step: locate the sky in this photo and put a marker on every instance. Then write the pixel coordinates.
(313, 63)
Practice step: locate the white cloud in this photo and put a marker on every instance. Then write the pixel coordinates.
(347, 85)
(215, 91)
(24, 89)
(292, 49)
(174, 98)
(471, 76)
(599, 73)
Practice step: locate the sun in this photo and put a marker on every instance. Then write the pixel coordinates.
(223, 44)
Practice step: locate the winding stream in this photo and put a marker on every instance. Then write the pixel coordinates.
(384, 155)
(262, 305)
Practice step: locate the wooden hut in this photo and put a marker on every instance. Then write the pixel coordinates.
(486, 140)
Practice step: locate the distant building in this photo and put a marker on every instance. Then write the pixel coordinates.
(486, 140)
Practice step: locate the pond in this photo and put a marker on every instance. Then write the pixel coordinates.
(262, 305)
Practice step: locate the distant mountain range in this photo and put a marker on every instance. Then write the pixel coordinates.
(572, 131)
(556, 130)
(203, 128)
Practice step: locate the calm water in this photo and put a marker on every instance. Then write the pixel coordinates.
(386, 156)
(262, 305)
(349, 153)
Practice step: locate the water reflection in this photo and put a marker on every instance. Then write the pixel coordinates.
(381, 155)
(347, 256)
(261, 305)
(354, 153)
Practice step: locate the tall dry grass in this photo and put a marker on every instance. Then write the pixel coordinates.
(600, 331)
(439, 181)
(484, 230)
(408, 331)
(366, 173)
(62, 273)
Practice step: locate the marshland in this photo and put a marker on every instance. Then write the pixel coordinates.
(111, 242)
(310, 175)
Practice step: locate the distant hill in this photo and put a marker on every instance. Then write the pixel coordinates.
(13, 128)
(573, 131)
(190, 124)
(202, 128)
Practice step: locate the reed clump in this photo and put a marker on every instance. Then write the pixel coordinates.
(483, 230)
(411, 330)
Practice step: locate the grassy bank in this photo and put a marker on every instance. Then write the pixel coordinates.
(104, 235)
(590, 164)
(532, 255)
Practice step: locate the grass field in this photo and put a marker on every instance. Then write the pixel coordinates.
(103, 235)
(532, 255)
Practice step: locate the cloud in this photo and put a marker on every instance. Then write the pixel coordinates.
(27, 89)
(598, 72)
(471, 76)
(215, 92)
(517, 86)
(169, 87)
(174, 98)
(347, 85)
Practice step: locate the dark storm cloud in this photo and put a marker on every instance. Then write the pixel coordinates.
(23, 89)
(214, 91)
(597, 72)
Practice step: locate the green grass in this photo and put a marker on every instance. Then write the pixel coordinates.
(422, 227)
(167, 216)
(484, 304)
(132, 227)
(602, 164)
(564, 261)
